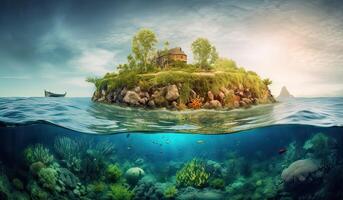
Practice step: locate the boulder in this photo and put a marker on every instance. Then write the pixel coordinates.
(132, 98)
(221, 96)
(299, 171)
(214, 104)
(151, 103)
(172, 93)
(210, 96)
(134, 174)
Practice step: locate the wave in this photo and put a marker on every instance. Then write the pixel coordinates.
(83, 115)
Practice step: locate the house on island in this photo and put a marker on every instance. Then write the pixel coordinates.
(166, 58)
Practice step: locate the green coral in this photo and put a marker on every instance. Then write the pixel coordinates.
(119, 192)
(319, 145)
(38, 153)
(217, 183)
(48, 177)
(18, 184)
(69, 151)
(113, 172)
(170, 192)
(97, 187)
(37, 193)
(193, 174)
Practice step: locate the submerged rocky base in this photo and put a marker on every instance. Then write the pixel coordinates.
(84, 169)
(169, 97)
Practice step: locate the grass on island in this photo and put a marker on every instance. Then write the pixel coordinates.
(223, 73)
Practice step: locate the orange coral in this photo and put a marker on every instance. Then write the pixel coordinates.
(195, 103)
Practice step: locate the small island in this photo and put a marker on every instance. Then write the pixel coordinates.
(163, 79)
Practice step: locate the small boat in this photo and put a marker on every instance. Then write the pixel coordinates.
(50, 94)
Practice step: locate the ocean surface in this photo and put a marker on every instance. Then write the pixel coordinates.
(83, 115)
(73, 148)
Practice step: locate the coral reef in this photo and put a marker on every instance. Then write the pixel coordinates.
(119, 192)
(69, 151)
(170, 192)
(193, 174)
(38, 153)
(113, 172)
(48, 177)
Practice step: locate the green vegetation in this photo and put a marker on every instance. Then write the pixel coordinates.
(217, 183)
(204, 53)
(192, 174)
(209, 73)
(38, 153)
(119, 192)
(170, 192)
(113, 172)
(48, 177)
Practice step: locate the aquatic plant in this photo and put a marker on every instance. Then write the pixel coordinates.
(119, 192)
(18, 184)
(38, 153)
(217, 183)
(48, 177)
(94, 157)
(37, 193)
(113, 172)
(97, 187)
(69, 151)
(193, 174)
(319, 146)
(170, 192)
(4, 187)
(36, 167)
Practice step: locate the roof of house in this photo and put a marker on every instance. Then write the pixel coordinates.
(176, 50)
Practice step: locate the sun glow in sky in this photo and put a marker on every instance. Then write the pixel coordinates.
(54, 45)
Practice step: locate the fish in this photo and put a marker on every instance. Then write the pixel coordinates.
(200, 141)
(282, 151)
(128, 135)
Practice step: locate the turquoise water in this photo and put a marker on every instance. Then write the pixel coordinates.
(72, 148)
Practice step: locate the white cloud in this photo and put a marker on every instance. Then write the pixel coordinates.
(95, 61)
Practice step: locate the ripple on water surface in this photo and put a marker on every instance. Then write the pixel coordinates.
(81, 114)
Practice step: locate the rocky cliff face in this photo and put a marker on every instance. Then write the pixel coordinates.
(169, 97)
(284, 93)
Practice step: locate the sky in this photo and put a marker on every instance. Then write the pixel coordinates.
(55, 45)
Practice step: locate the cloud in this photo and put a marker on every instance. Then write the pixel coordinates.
(95, 61)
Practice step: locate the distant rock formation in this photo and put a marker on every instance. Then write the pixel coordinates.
(284, 94)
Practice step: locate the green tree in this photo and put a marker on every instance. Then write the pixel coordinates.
(204, 53)
(143, 46)
(267, 81)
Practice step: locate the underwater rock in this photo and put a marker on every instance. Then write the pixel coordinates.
(134, 174)
(301, 172)
(146, 189)
(213, 167)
